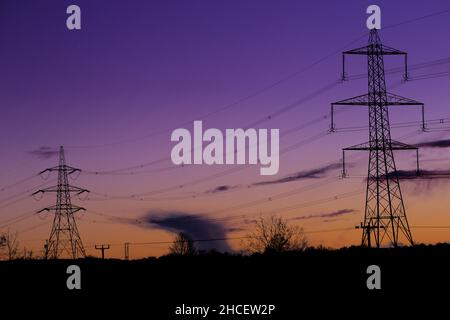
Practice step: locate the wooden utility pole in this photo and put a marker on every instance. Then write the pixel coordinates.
(102, 247)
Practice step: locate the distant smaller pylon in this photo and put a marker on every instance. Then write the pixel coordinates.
(64, 240)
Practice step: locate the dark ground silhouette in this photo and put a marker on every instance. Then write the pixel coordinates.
(318, 281)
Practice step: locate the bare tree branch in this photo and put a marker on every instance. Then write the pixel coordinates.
(273, 234)
(183, 245)
(9, 242)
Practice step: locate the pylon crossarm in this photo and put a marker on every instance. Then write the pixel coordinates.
(383, 49)
(76, 209)
(70, 188)
(360, 100)
(71, 170)
(71, 209)
(363, 100)
(81, 191)
(396, 145)
(392, 51)
(359, 147)
(67, 168)
(44, 171)
(392, 100)
(396, 100)
(37, 192)
(357, 51)
(77, 190)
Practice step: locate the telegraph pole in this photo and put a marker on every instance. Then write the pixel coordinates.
(127, 250)
(102, 247)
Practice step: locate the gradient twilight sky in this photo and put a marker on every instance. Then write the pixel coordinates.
(113, 92)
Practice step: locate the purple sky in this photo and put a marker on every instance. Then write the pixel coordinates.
(139, 67)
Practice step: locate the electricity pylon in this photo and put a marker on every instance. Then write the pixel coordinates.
(64, 237)
(385, 214)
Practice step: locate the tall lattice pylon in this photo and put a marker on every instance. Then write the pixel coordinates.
(64, 240)
(385, 215)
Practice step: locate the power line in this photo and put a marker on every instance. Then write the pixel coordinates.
(275, 197)
(405, 124)
(259, 121)
(431, 76)
(14, 220)
(14, 202)
(233, 104)
(431, 227)
(304, 188)
(223, 238)
(27, 191)
(126, 170)
(238, 238)
(391, 26)
(417, 66)
(270, 86)
(210, 216)
(138, 196)
(33, 227)
(12, 185)
(244, 216)
(283, 134)
(434, 14)
(210, 177)
(285, 109)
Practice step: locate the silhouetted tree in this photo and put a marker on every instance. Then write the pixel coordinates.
(27, 254)
(2, 241)
(273, 234)
(10, 244)
(183, 245)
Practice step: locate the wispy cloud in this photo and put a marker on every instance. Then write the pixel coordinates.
(424, 181)
(442, 143)
(332, 214)
(221, 188)
(421, 175)
(44, 152)
(315, 173)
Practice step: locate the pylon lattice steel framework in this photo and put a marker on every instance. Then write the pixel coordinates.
(385, 214)
(64, 237)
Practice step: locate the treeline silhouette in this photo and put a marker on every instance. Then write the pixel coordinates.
(297, 282)
(278, 268)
